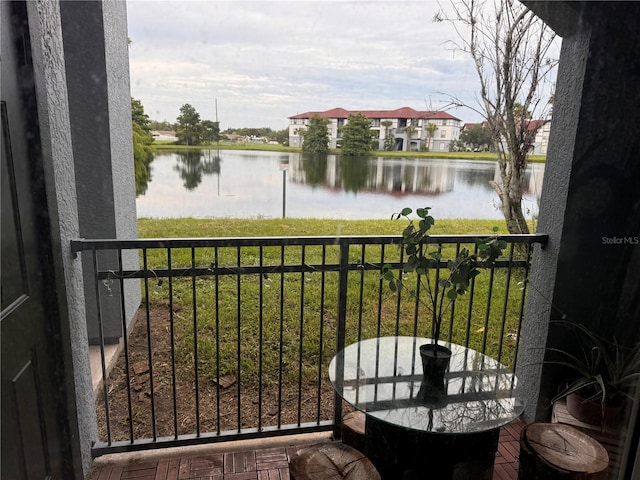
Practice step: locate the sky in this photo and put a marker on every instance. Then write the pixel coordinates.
(265, 61)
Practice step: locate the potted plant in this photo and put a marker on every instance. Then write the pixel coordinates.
(437, 296)
(606, 374)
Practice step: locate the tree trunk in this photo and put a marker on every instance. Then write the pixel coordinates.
(510, 193)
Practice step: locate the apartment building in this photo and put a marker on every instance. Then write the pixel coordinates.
(407, 128)
(539, 140)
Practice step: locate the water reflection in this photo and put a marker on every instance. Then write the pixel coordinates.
(252, 184)
(355, 174)
(314, 168)
(193, 164)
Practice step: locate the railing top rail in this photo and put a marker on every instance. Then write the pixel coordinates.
(114, 244)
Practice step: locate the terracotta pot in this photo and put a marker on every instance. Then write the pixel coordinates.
(592, 411)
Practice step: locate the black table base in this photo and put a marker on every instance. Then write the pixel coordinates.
(403, 454)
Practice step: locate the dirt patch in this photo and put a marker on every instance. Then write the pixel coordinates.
(183, 403)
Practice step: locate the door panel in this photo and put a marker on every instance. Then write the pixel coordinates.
(33, 423)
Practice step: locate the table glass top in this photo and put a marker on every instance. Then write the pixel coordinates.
(383, 378)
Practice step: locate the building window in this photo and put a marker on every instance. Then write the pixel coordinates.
(443, 133)
(375, 122)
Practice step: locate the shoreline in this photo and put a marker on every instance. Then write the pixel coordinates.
(486, 156)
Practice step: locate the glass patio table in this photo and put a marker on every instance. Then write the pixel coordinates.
(417, 430)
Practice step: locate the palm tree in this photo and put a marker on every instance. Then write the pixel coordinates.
(388, 138)
(410, 130)
(431, 129)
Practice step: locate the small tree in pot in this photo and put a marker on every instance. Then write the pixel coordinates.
(437, 296)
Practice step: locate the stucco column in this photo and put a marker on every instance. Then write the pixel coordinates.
(590, 204)
(95, 46)
(58, 163)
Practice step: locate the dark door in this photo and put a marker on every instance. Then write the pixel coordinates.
(35, 445)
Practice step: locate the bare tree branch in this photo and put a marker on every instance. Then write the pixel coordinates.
(509, 47)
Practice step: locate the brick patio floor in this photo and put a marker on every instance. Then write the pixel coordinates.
(267, 464)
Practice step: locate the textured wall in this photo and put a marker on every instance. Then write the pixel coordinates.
(551, 219)
(590, 202)
(96, 56)
(53, 110)
(119, 99)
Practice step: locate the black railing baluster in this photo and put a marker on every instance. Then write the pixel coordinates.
(321, 335)
(147, 310)
(453, 307)
(381, 286)
(281, 343)
(436, 289)
(399, 292)
(125, 342)
(361, 292)
(505, 304)
(416, 310)
(343, 278)
(216, 259)
(194, 300)
(260, 335)
(173, 346)
(238, 349)
(301, 330)
(103, 362)
(472, 289)
(487, 315)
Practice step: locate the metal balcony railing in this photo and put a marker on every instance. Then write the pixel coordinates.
(234, 335)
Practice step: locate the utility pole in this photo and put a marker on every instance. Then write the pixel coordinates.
(216, 101)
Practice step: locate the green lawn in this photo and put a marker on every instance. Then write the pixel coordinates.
(250, 310)
(233, 227)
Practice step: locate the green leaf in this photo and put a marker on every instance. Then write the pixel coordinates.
(406, 211)
(423, 212)
(424, 225)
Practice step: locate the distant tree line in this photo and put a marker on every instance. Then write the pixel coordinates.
(191, 130)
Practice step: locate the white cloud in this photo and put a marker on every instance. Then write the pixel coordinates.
(266, 60)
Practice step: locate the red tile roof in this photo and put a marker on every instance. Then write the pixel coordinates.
(404, 112)
(536, 124)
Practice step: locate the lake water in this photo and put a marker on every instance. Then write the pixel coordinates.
(247, 184)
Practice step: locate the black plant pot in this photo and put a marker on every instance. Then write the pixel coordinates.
(432, 395)
(435, 362)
